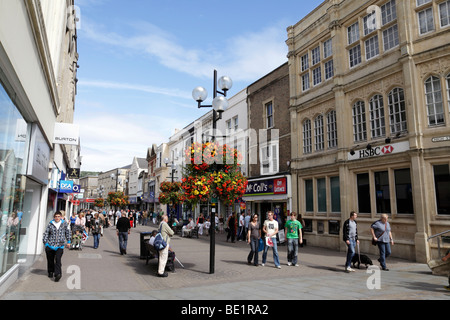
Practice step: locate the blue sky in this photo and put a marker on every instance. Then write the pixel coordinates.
(141, 59)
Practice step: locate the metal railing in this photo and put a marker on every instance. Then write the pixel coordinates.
(438, 236)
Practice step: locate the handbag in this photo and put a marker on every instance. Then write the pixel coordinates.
(375, 242)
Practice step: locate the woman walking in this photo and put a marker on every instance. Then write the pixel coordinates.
(231, 226)
(254, 234)
(55, 236)
(97, 224)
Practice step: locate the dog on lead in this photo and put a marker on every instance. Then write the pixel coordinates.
(361, 259)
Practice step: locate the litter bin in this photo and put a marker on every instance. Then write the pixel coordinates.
(145, 236)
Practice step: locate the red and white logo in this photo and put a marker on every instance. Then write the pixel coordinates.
(387, 149)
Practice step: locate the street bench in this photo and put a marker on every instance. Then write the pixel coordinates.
(153, 254)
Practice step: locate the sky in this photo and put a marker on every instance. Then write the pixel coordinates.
(140, 60)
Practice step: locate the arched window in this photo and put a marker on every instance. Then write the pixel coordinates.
(433, 97)
(359, 121)
(397, 111)
(319, 139)
(377, 123)
(332, 129)
(307, 139)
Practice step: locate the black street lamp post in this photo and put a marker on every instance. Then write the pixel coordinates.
(219, 104)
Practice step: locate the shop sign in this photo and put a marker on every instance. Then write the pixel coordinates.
(65, 186)
(267, 187)
(66, 133)
(38, 161)
(377, 151)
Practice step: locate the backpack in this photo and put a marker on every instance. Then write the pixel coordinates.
(159, 242)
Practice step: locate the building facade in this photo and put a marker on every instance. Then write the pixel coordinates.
(370, 92)
(38, 66)
(269, 151)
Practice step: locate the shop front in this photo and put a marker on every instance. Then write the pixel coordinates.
(269, 193)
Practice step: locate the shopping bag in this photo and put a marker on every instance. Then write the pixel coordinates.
(261, 245)
(269, 242)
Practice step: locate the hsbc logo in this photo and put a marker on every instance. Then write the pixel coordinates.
(387, 149)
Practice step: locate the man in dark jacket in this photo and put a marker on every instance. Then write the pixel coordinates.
(350, 236)
(123, 230)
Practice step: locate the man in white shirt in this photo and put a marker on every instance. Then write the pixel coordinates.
(270, 227)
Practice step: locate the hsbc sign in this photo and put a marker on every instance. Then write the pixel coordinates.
(377, 151)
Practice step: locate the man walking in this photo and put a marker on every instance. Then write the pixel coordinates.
(123, 230)
(293, 234)
(166, 233)
(270, 228)
(350, 236)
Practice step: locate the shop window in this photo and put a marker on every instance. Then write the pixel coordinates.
(363, 192)
(442, 188)
(335, 194)
(321, 195)
(308, 225)
(403, 191)
(383, 199)
(309, 195)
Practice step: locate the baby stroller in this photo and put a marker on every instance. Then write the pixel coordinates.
(77, 237)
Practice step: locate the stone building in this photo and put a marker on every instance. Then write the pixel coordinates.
(370, 101)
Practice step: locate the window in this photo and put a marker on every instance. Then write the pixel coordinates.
(327, 48)
(269, 115)
(309, 195)
(377, 123)
(335, 194)
(363, 193)
(383, 198)
(403, 191)
(236, 123)
(422, 2)
(353, 33)
(444, 13)
(305, 81)
(318, 133)
(332, 129)
(321, 195)
(228, 126)
(317, 76)
(315, 55)
(305, 62)
(307, 143)
(329, 69)
(269, 158)
(442, 188)
(390, 38)
(355, 55)
(397, 111)
(359, 122)
(448, 90)
(388, 12)
(372, 48)
(370, 23)
(426, 21)
(433, 95)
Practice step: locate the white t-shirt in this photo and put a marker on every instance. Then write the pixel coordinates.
(271, 226)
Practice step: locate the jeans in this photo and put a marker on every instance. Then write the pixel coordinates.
(123, 240)
(350, 253)
(293, 250)
(385, 251)
(96, 239)
(276, 260)
(254, 244)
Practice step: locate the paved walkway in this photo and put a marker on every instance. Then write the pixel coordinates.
(104, 274)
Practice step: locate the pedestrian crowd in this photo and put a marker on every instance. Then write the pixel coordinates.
(260, 237)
